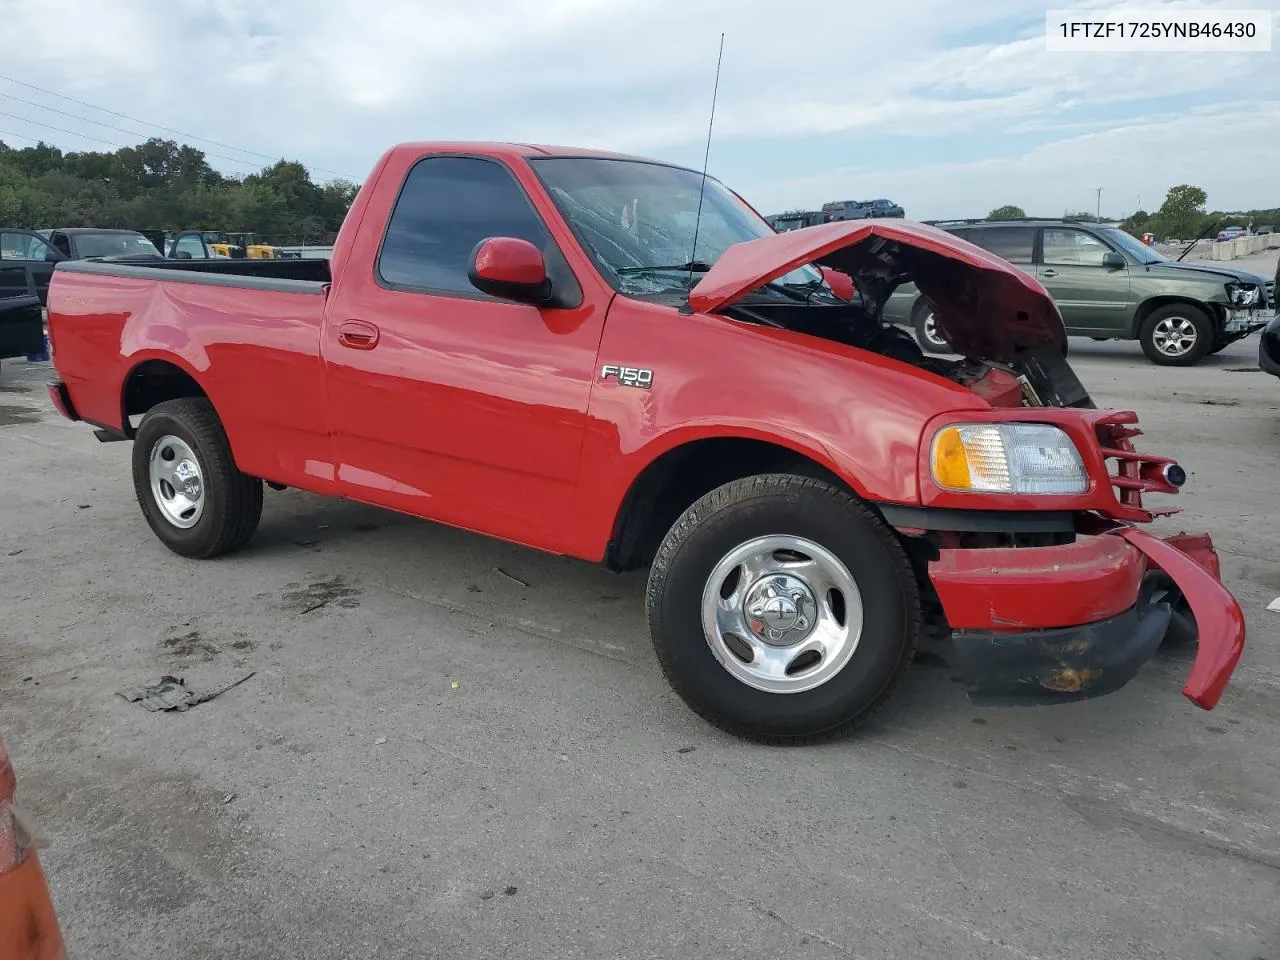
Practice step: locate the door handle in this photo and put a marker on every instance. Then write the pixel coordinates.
(1048, 273)
(358, 335)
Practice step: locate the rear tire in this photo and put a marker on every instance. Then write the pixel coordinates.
(1177, 335)
(857, 584)
(194, 497)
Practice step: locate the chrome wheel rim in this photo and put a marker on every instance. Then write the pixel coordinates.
(177, 482)
(782, 614)
(931, 333)
(1175, 336)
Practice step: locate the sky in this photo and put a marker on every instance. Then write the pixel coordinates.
(948, 107)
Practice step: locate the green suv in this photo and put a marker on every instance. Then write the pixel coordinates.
(1109, 286)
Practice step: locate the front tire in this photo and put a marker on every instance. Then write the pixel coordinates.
(926, 330)
(782, 609)
(1177, 335)
(194, 497)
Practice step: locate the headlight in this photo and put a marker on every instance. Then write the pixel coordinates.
(1243, 296)
(1007, 458)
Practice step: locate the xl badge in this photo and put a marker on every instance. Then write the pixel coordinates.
(627, 376)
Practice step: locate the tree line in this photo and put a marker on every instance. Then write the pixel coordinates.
(163, 185)
(1182, 216)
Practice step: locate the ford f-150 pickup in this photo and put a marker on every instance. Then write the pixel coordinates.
(617, 359)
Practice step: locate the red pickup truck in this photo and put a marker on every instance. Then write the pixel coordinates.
(615, 359)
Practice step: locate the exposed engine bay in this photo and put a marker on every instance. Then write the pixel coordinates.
(1035, 377)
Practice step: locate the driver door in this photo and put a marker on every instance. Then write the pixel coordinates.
(445, 402)
(27, 261)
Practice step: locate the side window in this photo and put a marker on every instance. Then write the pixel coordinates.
(1073, 248)
(60, 241)
(22, 246)
(446, 207)
(1015, 244)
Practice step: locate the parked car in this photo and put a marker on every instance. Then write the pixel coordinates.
(83, 243)
(1265, 230)
(1110, 286)
(862, 209)
(26, 263)
(797, 220)
(525, 342)
(1230, 233)
(1269, 348)
(21, 325)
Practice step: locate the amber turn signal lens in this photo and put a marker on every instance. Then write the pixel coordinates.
(951, 461)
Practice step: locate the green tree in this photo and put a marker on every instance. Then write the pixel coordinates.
(165, 185)
(1137, 223)
(1007, 212)
(1182, 213)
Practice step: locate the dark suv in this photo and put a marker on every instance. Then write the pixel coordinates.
(1110, 286)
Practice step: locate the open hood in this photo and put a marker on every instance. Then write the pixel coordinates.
(1212, 269)
(986, 308)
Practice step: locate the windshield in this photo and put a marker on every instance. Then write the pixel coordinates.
(636, 220)
(1132, 246)
(114, 245)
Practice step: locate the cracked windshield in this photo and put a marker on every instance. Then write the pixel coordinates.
(638, 222)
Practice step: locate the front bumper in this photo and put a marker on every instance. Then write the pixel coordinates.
(1062, 623)
(1245, 322)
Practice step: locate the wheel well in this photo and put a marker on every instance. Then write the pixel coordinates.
(675, 480)
(152, 382)
(918, 308)
(1147, 307)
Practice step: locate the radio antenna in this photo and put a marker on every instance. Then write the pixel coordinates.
(706, 158)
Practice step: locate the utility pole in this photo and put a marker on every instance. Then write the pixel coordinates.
(1098, 211)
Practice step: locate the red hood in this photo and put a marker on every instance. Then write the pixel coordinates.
(987, 308)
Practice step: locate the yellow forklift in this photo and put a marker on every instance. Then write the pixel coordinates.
(201, 244)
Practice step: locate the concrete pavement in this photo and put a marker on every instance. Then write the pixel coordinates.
(350, 801)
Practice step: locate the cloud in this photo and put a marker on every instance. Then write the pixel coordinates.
(1130, 161)
(812, 98)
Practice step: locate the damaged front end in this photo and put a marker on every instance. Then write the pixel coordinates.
(1045, 589)
(1077, 613)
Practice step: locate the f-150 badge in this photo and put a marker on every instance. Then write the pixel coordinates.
(627, 376)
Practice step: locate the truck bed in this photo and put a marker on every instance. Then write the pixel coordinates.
(248, 331)
(283, 275)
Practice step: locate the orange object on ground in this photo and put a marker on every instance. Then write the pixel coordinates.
(28, 926)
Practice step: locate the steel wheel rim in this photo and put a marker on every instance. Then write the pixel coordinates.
(177, 482)
(789, 605)
(1175, 336)
(931, 332)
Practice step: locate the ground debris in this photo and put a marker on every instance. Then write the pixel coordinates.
(1274, 605)
(511, 577)
(170, 693)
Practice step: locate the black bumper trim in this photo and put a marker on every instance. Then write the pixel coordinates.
(64, 395)
(1058, 666)
(979, 521)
